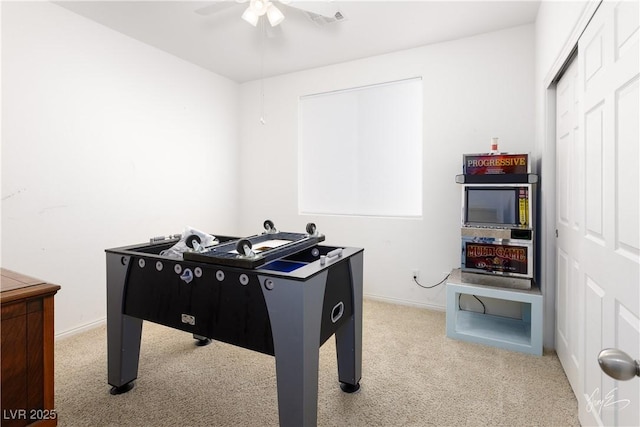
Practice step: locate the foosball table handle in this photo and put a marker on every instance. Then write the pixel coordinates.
(331, 256)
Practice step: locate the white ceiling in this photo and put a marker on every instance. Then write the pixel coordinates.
(227, 45)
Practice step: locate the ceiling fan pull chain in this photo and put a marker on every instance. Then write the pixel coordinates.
(263, 38)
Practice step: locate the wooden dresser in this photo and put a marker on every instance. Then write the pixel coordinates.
(26, 351)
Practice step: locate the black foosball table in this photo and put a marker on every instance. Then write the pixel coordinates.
(278, 293)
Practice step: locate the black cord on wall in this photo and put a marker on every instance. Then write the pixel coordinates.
(433, 286)
(484, 308)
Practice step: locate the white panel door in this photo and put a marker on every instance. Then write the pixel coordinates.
(610, 258)
(598, 214)
(569, 172)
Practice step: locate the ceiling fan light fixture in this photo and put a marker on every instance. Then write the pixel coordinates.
(250, 16)
(259, 7)
(274, 15)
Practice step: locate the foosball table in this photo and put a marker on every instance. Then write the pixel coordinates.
(279, 293)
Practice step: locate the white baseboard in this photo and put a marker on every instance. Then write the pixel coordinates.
(83, 328)
(405, 302)
(95, 324)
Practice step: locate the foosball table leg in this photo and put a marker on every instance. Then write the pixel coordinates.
(349, 336)
(201, 341)
(123, 332)
(295, 313)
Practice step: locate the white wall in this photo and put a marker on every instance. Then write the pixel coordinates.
(555, 26)
(105, 142)
(96, 126)
(474, 89)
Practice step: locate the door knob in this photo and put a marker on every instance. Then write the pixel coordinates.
(618, 364)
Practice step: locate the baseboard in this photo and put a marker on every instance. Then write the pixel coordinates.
(398, 301)
(80, 329)
(409, 303)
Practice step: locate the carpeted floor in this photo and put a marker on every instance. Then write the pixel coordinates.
(412, 375)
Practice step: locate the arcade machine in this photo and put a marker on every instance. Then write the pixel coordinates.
(497, 219)
(278, 293)
(497, 240)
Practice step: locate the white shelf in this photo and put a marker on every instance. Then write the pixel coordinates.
(524, 335)
(488, 327)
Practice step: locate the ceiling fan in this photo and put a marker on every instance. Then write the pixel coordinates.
(321, 13)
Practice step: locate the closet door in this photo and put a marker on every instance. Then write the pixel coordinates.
(569, 192)
(598, 190)
(610, 244)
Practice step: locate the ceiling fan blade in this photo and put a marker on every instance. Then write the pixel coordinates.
(215, 7)
(327, 9)
(320, 13)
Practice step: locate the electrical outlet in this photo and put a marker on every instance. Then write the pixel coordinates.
(415, 274)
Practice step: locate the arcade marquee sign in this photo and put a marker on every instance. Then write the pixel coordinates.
(495, 164)
(501, 258)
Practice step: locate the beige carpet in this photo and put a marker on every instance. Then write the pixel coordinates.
(412, 375)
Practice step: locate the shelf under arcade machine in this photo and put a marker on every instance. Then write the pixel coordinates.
(278, 293)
